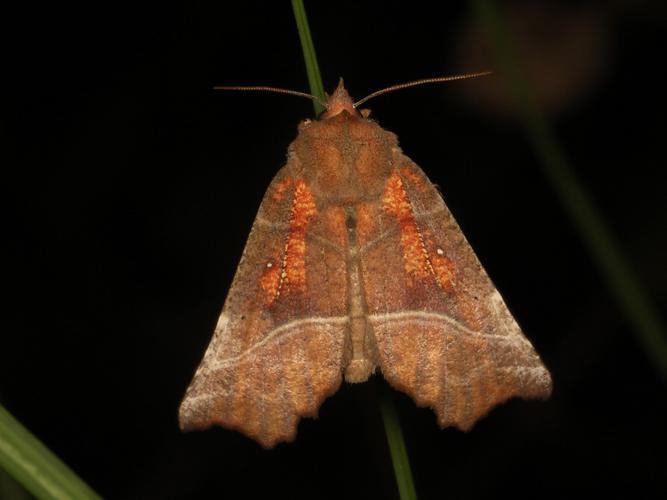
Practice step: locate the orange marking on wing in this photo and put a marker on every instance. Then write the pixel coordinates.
(396, 202)
(303, 210)
(270, 282)
(282, 186)
(414, 178)
(291, 274)
(444, 269)
(417, 261)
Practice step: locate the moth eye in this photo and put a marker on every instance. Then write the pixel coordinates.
(269, 265)
(304, 124)
(439, 251)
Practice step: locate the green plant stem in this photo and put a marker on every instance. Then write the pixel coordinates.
(33, 465)
(399, 454)
(309, 56)
(598, 239)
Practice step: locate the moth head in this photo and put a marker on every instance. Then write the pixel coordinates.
(339, 102)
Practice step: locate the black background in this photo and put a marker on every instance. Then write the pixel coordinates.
(130, 187)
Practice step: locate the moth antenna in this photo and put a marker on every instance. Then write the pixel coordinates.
(274, 89)
(423, 81)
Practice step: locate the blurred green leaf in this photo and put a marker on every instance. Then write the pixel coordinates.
(590, 224)
(33, 465)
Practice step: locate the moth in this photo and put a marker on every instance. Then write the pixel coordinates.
(354, 263)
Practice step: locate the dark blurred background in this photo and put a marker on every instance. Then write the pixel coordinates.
(129, 188)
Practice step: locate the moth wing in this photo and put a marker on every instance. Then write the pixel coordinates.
(444, 334)
(277, 350)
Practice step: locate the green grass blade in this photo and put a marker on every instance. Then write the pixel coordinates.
(399, 454)
(24, 457)
(313, 70)
(600, 242)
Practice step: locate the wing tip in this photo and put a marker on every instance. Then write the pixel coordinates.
(538, 386)
(194, 416)
(189, 421)
(465, 422)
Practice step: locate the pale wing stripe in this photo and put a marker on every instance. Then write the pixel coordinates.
(325, 242)
(433, 318)
(273, 225)
(420, 214)
(283, 330)
(380, 238)
(526, 372)
(284, 227)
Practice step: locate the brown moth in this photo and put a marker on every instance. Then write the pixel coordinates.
(355, 263)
